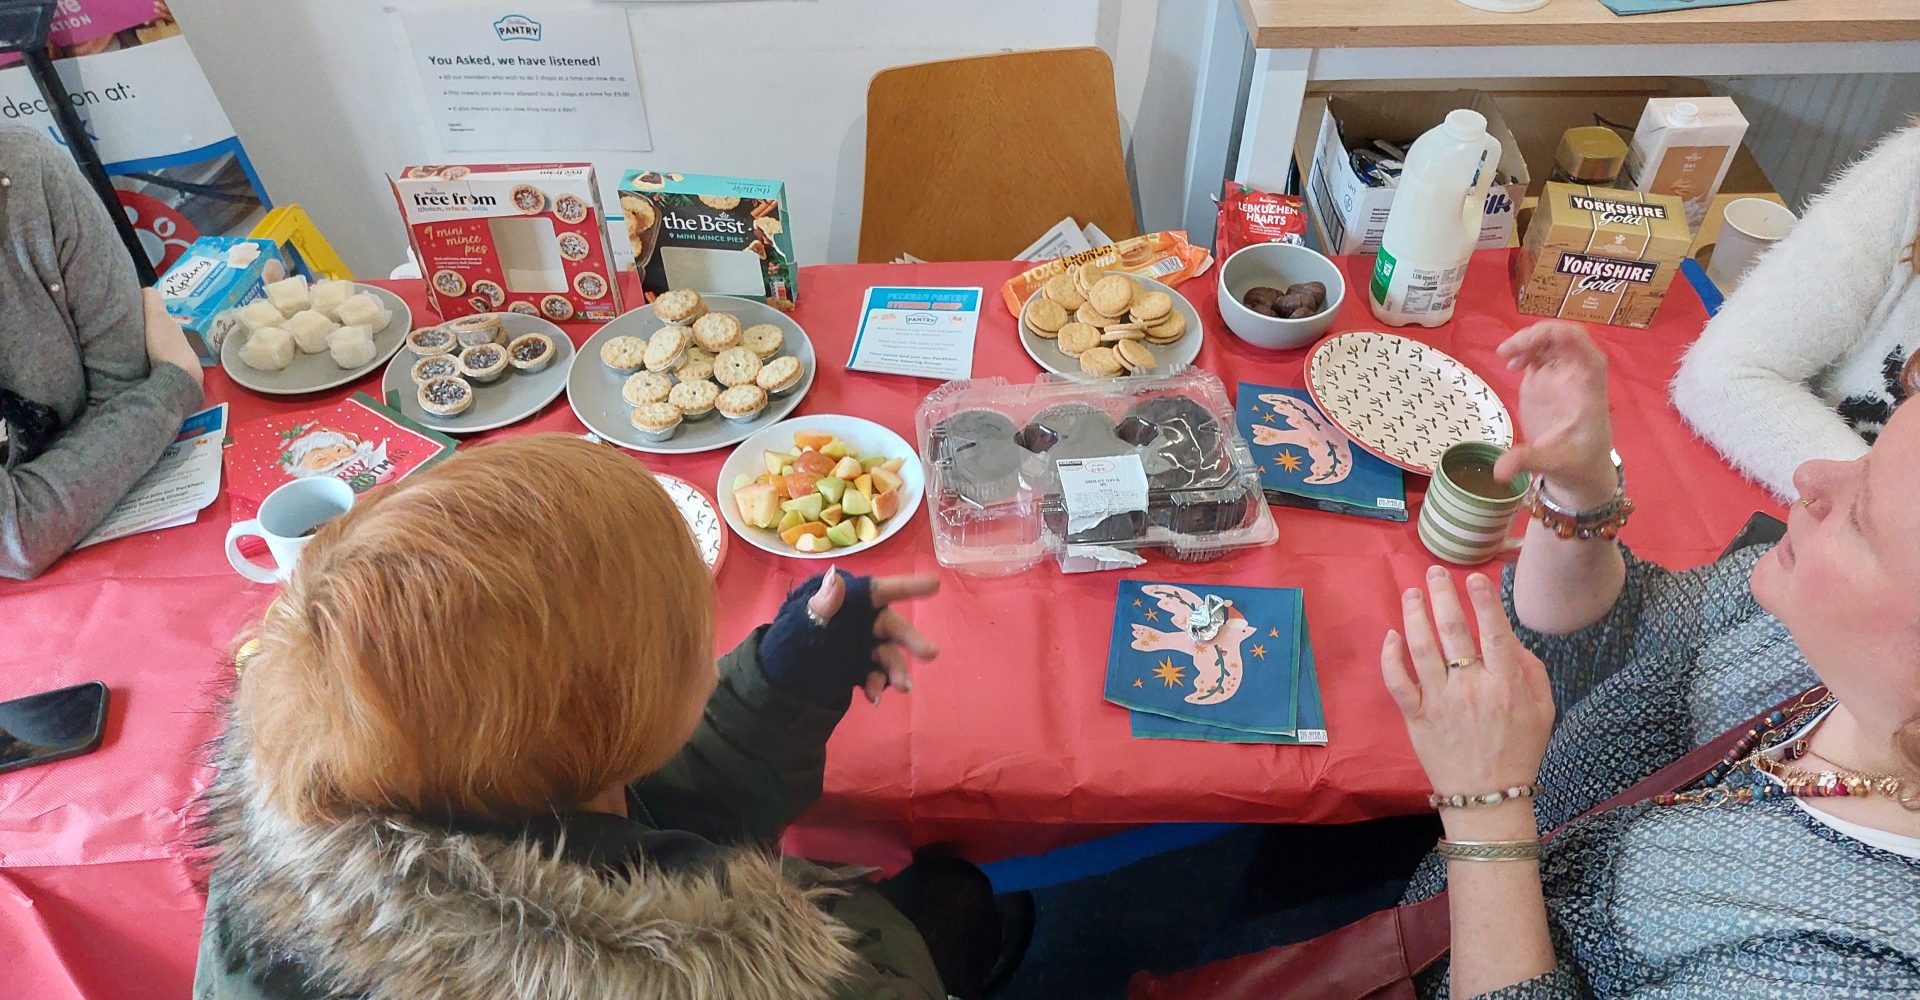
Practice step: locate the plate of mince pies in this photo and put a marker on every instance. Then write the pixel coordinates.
(479, 372)
(690, 373)
(1092, 323)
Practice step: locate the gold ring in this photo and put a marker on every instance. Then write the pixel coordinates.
(1805, 502)
(1463, 662)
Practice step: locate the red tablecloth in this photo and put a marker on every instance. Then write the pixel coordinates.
(1004, 747)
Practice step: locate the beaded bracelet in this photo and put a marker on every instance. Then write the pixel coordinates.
(1485, 798)
(1604, 521)
(1489, 850)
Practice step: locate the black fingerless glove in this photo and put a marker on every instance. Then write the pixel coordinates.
(822, 664)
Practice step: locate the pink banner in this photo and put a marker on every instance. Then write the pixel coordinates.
(76, 22)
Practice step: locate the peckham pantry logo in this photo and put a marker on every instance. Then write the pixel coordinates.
(517, 28)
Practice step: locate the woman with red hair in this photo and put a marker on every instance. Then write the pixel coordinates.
(481, 750)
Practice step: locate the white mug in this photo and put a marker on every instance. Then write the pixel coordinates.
(287, 521)
(1751, 225)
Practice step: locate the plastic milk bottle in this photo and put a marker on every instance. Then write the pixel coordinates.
(1434, 222)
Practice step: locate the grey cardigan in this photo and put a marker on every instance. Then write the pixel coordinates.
(72, 340)
(1695, 902)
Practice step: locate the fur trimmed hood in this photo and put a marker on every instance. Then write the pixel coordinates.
(392, 909)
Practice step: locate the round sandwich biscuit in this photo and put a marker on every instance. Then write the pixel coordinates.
(1151, 306)
(1135, 356)
(1090, 316)
(1168, 330)
(1112, 295)
(1116, 334)
(1086, 276)
(1101, 361)
(1060, 288)
(1078, 338)
(1045, 317)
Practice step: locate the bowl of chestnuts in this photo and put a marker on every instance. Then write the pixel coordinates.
(1278, 295)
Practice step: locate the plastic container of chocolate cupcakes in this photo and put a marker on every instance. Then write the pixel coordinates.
(1095, 475)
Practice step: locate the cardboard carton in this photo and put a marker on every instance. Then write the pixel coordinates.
(1353, 215)
(723, 235)
(1600, 255)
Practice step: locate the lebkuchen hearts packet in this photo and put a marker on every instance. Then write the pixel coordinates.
(1165, 257)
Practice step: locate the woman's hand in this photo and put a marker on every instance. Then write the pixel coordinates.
(1479, 714)
(837, 632)
(1563, 410)
(166, 342)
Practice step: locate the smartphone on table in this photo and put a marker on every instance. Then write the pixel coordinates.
(52, 725)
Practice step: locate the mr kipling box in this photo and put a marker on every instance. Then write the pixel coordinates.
(525, 238)
(725, 235)
(1600, 255)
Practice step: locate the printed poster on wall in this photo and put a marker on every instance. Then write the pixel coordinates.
(497, 79)
(150, 112)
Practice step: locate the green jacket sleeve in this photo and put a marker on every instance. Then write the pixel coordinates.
(755, 762)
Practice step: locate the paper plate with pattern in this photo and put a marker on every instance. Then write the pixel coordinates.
(703, 518)
(1402, 400)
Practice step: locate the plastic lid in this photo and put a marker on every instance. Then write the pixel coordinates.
(1684, 113)
(1465, 124)
(1591, 154)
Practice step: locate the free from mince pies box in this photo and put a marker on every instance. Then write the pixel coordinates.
(724, 235)
(1600, 255)
(525, 238)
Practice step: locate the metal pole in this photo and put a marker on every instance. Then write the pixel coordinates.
(33, 48)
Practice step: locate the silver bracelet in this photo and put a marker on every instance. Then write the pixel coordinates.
(1489, 850)
(1492, 798)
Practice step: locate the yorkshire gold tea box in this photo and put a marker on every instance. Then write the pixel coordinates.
(1600, 255)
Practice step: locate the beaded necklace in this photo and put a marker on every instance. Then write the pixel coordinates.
(1795, 783)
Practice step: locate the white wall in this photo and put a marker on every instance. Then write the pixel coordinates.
(321, 94)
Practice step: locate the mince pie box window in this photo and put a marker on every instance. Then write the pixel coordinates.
(526, 238)
(711, 234)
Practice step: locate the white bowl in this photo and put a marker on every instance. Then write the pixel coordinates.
(1277, 265)
(863, 436)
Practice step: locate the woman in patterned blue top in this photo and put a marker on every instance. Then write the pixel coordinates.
(1780, 896)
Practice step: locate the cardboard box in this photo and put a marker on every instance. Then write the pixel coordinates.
(1683, 155)
(1354, 215)
(215, 276)
(1600, 255)
(722, 235)
(525, 238)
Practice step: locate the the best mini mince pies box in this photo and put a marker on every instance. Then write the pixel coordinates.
(723, 235)
(526, 238)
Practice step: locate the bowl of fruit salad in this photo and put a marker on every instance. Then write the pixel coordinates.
(820, 486)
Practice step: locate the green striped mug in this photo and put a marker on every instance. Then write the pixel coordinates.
(1468, 514)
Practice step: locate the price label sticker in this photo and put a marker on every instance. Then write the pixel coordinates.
(1098, 488)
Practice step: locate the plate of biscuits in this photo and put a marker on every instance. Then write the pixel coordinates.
(1092, 323)
(687, 373)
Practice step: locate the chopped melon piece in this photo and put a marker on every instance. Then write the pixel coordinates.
(834, 514)
(813, 462)
(813, 543)
(811, 440)
(884, 480)
(872, 463)
(849, 469)
(856, 503)
(867, 530)
(884, 506)
(742, 481)
(831, 488)
(844, 534)
(864, 484)
(800, 484)
(775, 460)
(894, 464)
(835, 449)
(789, 518)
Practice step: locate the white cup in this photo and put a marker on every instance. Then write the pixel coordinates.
(1751, 225)
(287, 520)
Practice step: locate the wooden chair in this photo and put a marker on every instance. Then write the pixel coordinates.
(972, 159)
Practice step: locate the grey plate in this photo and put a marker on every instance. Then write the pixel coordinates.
(511, 398)
(316, 372)
(1172, 357)
(593, 389)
